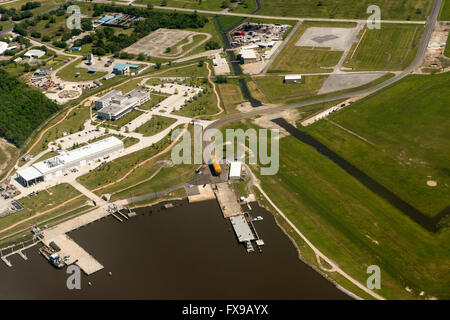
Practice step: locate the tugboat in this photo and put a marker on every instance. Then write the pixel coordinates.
(52, 257)
(249, 247)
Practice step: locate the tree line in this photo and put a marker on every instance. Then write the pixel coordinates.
(22, 109)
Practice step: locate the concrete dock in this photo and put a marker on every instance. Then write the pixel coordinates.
(200, 193)
(227, 200)
(70, 248)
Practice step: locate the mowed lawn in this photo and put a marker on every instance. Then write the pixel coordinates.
(351, 9)
(408, 127)
(231, 96)
(445, 11)
(69, 72)
(295, 59)
(393, 47)
(277, 91)
(45, 200)
(155, 125)
(354, 227)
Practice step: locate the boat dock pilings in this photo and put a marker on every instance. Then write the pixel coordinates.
(116, 217)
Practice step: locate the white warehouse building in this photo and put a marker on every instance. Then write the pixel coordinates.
(235, 170)
(67, 160)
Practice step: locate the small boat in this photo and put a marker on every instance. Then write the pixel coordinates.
(249, 247)
(53, 257)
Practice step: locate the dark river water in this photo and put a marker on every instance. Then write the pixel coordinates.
(186, 252)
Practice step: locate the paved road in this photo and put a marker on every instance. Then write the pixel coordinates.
(413, 66)
(249, 15)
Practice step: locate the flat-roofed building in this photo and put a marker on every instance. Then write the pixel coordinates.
(121, 69)
(105, 100)
(293, 78)
(34, 53)
(235, 170)
(120, 105)
(3, 47)
(68, 160)
(248, 56)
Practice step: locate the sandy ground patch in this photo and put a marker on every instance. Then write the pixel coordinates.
(336, 82)
(334, 38)
(434, 56)
(255, 67)
(156, 43)
(431, 183)
(265, 121)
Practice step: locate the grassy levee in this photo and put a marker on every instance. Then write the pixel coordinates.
(350, 9)
(295, 59)
(353, 226)
(408, 127)
(164, 179)
(309, 111)
(393, 47)
(154, 125)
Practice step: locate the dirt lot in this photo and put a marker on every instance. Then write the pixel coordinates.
(434, 57)
(156, 43)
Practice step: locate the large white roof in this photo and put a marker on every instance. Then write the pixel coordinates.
(248, 54)
(3, 47)
(34, 53)
(235, 169)
(293, 77)
(77, 155)
(29, 173)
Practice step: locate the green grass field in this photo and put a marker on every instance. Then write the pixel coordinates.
(408, 127)
(393, 47)
(353, 226)
(295, 59)
(277, 91)
(43, 201)
(73, 123)
(351, 9)
(119, 123)
(155, 125)
(231, 96)
(214, 5)
(445, 11)
(68, 73)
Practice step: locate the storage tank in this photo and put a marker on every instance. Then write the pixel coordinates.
(216, 166)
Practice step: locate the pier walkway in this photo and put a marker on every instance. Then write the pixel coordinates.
(69, 248)
(227, 200)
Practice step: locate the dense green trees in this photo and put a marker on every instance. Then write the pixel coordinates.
(22, 109)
